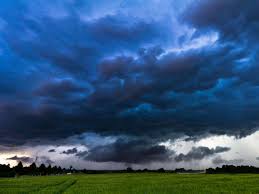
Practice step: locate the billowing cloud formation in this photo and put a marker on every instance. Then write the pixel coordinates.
(128, 152)
(124, 68)
(199, 153)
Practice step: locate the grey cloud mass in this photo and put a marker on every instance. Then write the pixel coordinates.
(133, 151)
(220, 161)
(199, 153)
(142, 73)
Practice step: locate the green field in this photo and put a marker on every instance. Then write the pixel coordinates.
(146, 183)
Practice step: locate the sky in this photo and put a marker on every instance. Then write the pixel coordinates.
(125, 83)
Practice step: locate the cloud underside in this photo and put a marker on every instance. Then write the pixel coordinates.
(118, 72)
(141, 152)
(199, 153)
(137, 152)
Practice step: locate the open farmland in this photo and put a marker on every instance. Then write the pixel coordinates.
(145, 183)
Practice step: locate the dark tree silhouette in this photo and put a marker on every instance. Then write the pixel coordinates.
(232, 169)
(49, 170)
(42, 169)
(19, 169)
(129, 169)
(6, 171)
(32, 169)
(161, 170)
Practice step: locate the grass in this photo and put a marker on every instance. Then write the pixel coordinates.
(146, 183)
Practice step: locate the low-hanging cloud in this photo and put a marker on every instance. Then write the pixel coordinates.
(128, 151)
(220, 161)
(199, 153)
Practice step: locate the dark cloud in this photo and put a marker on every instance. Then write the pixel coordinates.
(70, 151)
(199, 153)
(257, 158)
(238, 25)
(23, 159)
(60, 89)
(237, 21)
(220, 161)
(74, 45)
(124, 151)
(52, 150)
(113, 74)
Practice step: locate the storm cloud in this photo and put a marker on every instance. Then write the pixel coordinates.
(128, 70)
(199, 153)
(134, 151)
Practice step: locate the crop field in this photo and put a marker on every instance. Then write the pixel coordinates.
(145, 183)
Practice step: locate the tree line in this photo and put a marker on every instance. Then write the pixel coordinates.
(33, 170)
(233, 169)
(42, 170)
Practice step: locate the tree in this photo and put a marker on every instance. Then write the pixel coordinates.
(32, 169)
(19, 168)
(49, 169)
(129, 169)
(161, 170)
(42, 169)
(59, 170)
(6, 171)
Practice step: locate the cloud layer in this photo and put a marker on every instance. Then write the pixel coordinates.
(131, 152)
(199, 153)
(127, 69)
